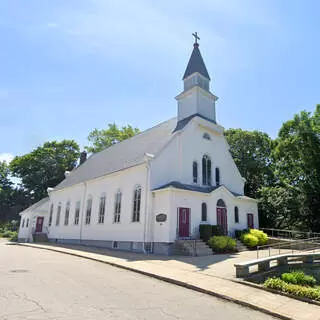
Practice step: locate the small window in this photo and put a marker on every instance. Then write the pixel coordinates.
(67, 212)
(236, 214)
(58, 215)
(27, 225)
(217, 176)
(206, 136)
(206, 170)
(102, 208)
(77, 213)
(88, 211)
(195, 171)
(51, 214)
(204, 212)
(117, 207)
(115, 244)
(22, 225)
(221, 204)
(136, 204)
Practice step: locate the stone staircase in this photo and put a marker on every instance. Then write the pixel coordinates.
(191, 248)
(40, 237)
(240, 246)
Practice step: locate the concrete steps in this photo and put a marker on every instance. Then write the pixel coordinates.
(191, 248)
(241, 247)
(40, 237)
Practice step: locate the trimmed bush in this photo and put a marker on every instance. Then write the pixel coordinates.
(217, 231)
(205, 232)
(14, 236)
(250, 240)
(294, 289)
(299, 277)
(222, 244)
(238, 233)
(260, 235)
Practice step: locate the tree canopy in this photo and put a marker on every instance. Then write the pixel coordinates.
(101, 139)
(45, 166)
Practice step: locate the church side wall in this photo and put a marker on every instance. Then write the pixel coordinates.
(92, 233)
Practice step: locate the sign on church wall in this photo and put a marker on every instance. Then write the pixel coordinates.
(161, 217)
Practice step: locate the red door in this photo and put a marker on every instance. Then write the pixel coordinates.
(184, 222)
(39, 224)
(222, 219)
(250, 221)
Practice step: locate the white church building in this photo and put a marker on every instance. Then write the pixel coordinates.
(148, 191)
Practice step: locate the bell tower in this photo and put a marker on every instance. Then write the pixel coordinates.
(196, 97)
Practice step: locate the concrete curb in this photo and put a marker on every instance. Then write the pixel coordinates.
(168, 280)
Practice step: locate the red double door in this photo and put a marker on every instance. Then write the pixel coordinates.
(222, 219)
(184, 222)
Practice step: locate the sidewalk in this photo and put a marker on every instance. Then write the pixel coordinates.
(212, 275)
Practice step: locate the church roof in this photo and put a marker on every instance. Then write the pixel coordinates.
(196, 188)
(43, 202)
(122, 155)
(196, 64)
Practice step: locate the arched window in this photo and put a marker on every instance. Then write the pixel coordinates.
(51, 213)
(66, 215)
(236, 214)
(206, 136)
(221, 204)
(217, 176)
(195, 171)
(102, 208)
(204, 212)
(27, 225)
(58, 214)
(22, 225)
(88, 211)
(117, 207)
(77, 213)
(206, 170)
(136, 204)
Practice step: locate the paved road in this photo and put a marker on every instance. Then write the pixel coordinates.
(39, 284)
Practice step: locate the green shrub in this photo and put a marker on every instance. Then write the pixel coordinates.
(14, 236)
(294, 289)
(222, 244)
(299, 277)
(216, 230)
(7, 234)
(238, 233)
(250, 240)
(260, 235)
(205, 232)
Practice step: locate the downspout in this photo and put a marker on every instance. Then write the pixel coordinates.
(148, 157)
(82, 210)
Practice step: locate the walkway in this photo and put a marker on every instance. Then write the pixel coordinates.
(214, 275)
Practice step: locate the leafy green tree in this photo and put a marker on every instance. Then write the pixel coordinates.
(296, 153)
(5, 190)
(251, 151)
(102, 139)
(45, 166)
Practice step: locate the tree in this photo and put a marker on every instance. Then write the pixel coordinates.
(251, 151)
(296, 152)
(45, 166)
(5, 190)
(101, 139)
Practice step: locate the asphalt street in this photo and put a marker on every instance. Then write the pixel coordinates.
(39, 284)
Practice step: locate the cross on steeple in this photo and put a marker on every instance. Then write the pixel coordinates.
(196, 38)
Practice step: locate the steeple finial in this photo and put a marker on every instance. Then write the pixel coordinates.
(196, 38)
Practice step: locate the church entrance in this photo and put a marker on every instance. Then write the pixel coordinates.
(222, 217)
(39, 224)
(184, 222)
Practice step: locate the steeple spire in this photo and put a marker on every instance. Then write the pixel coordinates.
(196, 63)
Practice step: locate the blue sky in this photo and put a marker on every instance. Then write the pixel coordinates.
(69, 66)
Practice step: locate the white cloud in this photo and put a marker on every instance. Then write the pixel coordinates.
(7, 157)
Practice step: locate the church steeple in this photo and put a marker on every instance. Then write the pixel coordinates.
(196, 99)
(196, 63)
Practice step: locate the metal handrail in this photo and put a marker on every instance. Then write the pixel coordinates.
(291, 232)
(293, 242)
